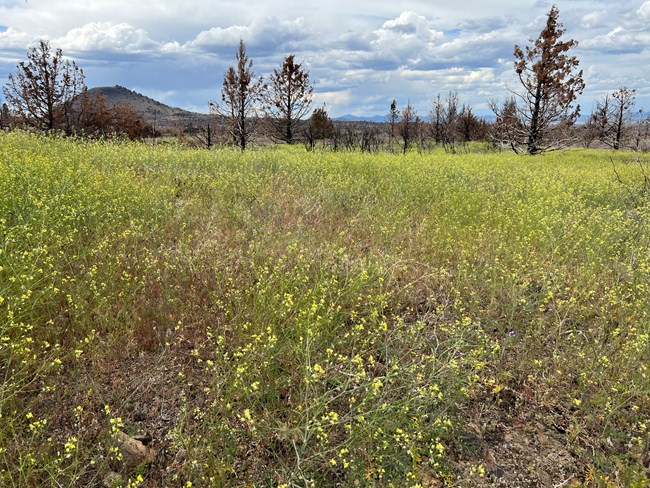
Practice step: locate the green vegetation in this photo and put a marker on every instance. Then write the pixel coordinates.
(283, 318)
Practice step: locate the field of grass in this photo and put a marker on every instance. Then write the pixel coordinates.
(283, 318)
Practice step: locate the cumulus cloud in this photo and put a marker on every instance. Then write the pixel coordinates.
(15, 39)
(409, 23)
(412, 41)
(106, 36)
(620, 40)
(269, 33)
(405, 38)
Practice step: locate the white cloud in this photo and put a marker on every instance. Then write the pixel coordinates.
(452, 78)
(644, 10)
(332, 99)
(593, 20)
(172, 48)
(269, 32)
(620, 39)
(478, 76)
(15, 39)
(406, 38)
(218, 36)
(409, 24)
(105, 36)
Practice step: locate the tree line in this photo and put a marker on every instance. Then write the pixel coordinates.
(49, 93)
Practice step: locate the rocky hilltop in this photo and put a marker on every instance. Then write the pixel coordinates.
(156, 114)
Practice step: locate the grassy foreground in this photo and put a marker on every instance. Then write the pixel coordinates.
(278, 318)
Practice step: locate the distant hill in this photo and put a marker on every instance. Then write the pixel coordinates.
(378, 119)
(355, 118)
(154, 112)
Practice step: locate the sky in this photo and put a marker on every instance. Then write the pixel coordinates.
(360, 54)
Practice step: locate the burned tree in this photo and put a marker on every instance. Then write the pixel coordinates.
(469, 126)
(322, 124)
(241, 95)
(506, 125)
(408, 127)
(288, 99)
(449, 122)
(445, 120)
(320, 127)
(5, 117)
(203, 132)
(611, 118)
(43, 91)
(550, 86)
(393, 119)
(436, 116)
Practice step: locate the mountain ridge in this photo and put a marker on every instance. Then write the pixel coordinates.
(361, 118)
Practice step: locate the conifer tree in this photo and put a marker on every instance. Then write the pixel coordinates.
(288, 99)
(551, 84)
(43, 91)
(241, 96)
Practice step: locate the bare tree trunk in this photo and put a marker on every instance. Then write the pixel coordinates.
(534, 121)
